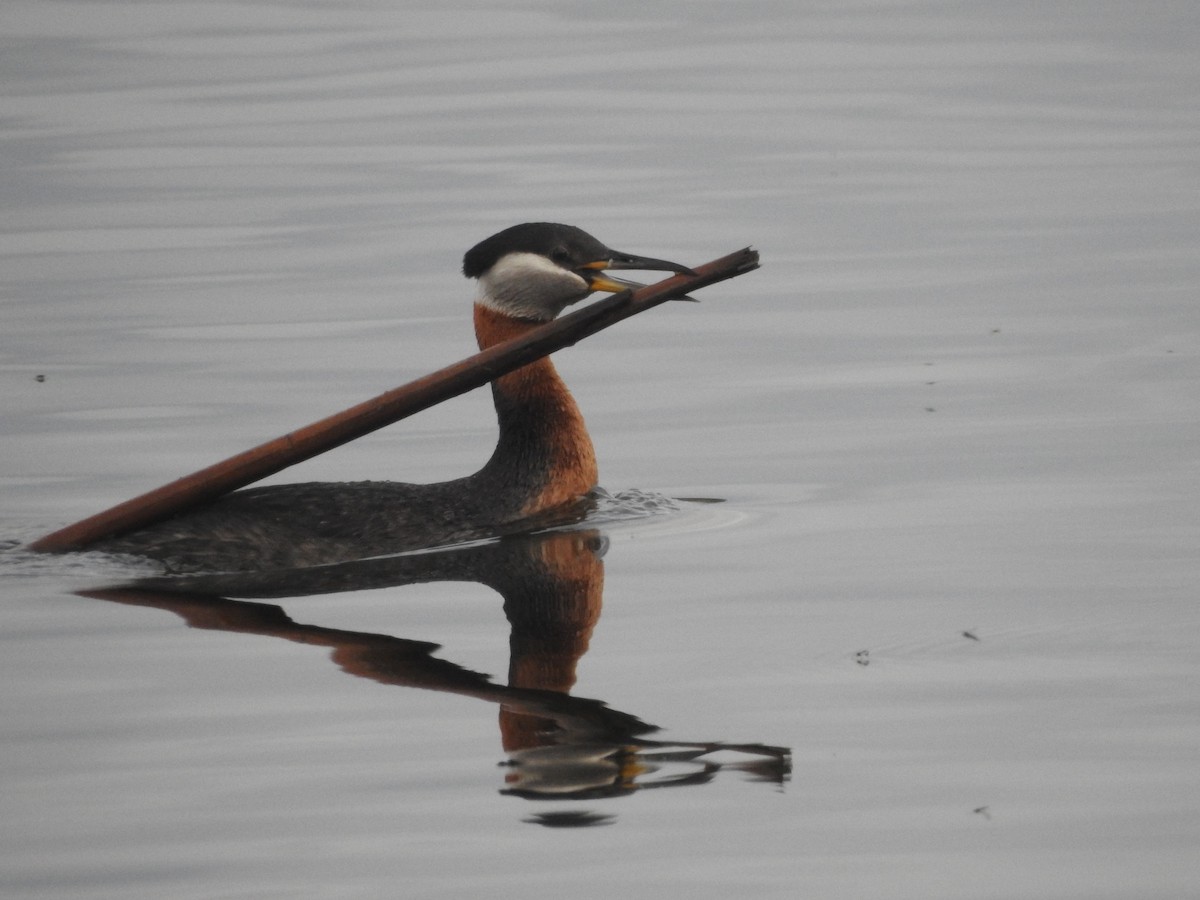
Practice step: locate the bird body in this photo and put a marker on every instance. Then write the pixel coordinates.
(540, 473)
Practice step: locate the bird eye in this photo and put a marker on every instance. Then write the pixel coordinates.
(560, 255)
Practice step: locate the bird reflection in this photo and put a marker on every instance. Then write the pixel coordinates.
(559, 747)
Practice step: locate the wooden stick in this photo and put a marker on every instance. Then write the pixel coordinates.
(398, 403)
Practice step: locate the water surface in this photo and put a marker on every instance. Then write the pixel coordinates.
(953, 421)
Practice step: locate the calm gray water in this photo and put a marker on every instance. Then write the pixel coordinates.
(954, 420)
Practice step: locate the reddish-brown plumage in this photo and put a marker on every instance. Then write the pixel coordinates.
(557, 439)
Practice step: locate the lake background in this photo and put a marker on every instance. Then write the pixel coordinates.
(954, 420)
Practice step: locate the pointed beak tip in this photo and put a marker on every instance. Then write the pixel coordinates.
(620, 260)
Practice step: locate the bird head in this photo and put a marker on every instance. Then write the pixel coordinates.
(534, 271)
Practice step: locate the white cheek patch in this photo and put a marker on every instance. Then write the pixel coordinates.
(529, 286)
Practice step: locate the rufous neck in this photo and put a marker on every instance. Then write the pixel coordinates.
(492, 328)
(542, 433)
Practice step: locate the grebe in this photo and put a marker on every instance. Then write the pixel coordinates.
(541, 470)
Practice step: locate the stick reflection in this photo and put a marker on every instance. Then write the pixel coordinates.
(559, 747)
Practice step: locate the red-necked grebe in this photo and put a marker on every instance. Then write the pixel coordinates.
(543, 464)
